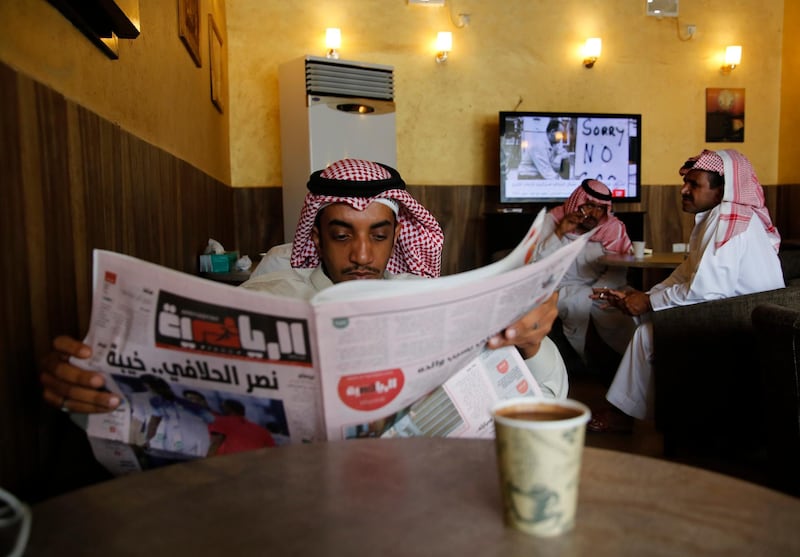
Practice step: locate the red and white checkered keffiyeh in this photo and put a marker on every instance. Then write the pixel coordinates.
(358, 183)
(610, 231)
(742, 198)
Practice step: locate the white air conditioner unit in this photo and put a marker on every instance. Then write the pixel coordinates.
(330, 110)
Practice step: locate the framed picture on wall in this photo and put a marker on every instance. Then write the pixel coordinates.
(216, 62)
(189, 28)
(724, 115)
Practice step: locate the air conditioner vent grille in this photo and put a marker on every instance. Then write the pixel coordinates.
(342, 79)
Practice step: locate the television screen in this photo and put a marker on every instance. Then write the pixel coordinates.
(544, 156)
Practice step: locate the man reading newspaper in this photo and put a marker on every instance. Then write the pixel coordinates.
(358, 222)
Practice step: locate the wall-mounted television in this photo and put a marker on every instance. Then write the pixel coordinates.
(544, 156)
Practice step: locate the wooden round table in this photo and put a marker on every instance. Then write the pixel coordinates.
(647, 271)
(407, 497)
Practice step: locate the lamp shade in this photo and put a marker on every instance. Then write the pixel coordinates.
(333, 37)
(593, 47)
(733, 55)
(444, 41)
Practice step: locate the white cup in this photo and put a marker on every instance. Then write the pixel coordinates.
(638, 250)
(539, 445)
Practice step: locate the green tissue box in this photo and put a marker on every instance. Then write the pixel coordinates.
(218, 262)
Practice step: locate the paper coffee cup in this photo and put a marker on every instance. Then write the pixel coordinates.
(539, 445)
(638, 250)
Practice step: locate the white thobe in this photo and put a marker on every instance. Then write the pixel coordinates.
(575, 308)
(747, 263)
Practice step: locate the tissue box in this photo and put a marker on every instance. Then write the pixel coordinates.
(218, 262)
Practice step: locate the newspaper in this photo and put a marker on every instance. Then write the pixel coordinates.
(206, 368)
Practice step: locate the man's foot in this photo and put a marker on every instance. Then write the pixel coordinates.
(610, 420)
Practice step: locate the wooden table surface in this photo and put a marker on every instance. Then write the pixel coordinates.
(407, 497)
(658, 260)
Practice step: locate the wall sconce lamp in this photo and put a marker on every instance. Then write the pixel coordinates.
(444, 44)
(733, 57)
(591, 51)
(333, 41)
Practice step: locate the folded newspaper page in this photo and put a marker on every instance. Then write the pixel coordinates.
(205, 368)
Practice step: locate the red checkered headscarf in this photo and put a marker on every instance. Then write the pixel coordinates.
(358, 183)
(610, 231)
(743, 196)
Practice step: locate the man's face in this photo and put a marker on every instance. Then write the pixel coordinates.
(354, 244)
(697, 194)
(591, 214)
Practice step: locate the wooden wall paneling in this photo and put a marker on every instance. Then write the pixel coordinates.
(59, 300)
(19, 423)
(783, 203)
(223, 225)
(130, 175)
(459, 210)
(99, 188)
(201, 204)
(163, 192)
(176, 246)
(193, 208)
(136, 208)
(220, 225)
(258, 220)
(48, 229)
(790, 207)
(188, 209)
(206, 211)
(81, 252)
(150, 230)
(771, 201)
(787, 211)
(665, 221)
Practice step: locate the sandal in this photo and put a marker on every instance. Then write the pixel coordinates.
(610, 421)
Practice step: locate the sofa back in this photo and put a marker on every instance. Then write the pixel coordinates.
(790, 263)
(706, 369)
(777, 330)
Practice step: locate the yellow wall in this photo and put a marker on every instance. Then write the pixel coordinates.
(789, 152)
(447, 115)
(153, 90)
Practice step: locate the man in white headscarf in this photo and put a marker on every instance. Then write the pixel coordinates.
(588, 208)
(733, 250)
(355, 186)
(358, 222)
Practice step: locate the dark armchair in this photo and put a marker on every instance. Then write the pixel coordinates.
(777, 330)
(708, 398)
